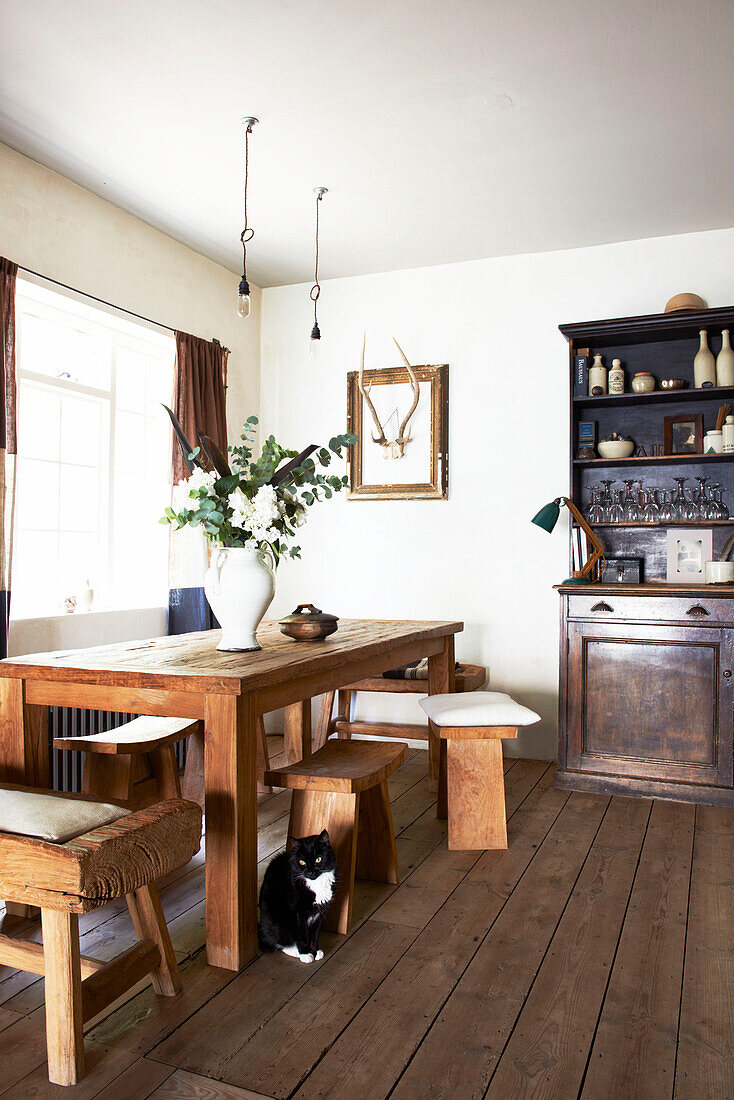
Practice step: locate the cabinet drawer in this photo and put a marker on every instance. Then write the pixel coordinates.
(698, 608)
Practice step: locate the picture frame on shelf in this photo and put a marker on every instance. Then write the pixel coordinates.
(683, 434)
(688, 551)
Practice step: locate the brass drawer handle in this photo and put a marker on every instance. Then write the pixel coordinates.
(698, 611)
(601, 606)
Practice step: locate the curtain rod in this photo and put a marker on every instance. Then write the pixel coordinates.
(102, 302)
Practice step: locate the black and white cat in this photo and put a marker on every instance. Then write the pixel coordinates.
(295, 895)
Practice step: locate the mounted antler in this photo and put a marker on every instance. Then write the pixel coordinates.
(390, 448)
(414, 385)
(365, 391)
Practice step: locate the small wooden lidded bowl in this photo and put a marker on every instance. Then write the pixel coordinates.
(309, 625)
(684, 301)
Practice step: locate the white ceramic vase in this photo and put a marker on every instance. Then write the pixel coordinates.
(239, 585)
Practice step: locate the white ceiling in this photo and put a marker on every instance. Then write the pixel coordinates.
(445, 131)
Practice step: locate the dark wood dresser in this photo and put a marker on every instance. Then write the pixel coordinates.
(647, 691)
(647, 670)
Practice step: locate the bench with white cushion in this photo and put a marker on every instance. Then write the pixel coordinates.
(471, 788)
(69, 854)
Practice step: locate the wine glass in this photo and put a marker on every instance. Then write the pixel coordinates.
(650, 510)
(667, 513)
(680, 504)
(616, 511)
(630, 505)
(606, 500)
(596, 512)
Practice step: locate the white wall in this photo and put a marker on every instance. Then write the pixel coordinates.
(475, 557)
(51, 226)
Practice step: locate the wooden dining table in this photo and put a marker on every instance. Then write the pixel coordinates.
(186, 676)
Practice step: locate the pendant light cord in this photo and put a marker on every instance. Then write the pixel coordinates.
(247, 233)
(316, 288)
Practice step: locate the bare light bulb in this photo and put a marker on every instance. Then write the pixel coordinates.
(314, 344)
(243, 298)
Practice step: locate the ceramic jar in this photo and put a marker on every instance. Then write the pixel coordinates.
(713, 441)
(727, 435)
(616, 377)
(704, 364)
(239, 585)
(643, 382)
(725, 362)
(597, 378)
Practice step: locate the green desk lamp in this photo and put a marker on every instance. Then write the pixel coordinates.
(547, 518)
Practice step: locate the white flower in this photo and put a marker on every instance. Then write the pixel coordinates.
(199, 479)
(238, 501)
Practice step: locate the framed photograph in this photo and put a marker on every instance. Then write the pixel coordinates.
(684, 434)
(688, 551)
(403, 449)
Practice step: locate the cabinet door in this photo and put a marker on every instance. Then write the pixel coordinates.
(650, 702)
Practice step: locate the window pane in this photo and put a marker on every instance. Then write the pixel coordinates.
(35, 574)
(79, 498)
(38, 422)
(78, 562)
(131, 369)
(63, 350)
(130, 442)
(81, 429)
(37, 495)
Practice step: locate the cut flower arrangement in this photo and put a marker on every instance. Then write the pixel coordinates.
(250, 510)
(257, 504)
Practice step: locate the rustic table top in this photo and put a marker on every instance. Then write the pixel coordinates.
(191, 662)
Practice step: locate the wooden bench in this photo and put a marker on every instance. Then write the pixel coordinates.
(467, 678)
(136, 763)
(69, 854)
(343, 788)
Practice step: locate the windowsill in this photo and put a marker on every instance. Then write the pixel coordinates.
(83, 629)
(53, 616)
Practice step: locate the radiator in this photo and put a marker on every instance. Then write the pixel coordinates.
(66, 767)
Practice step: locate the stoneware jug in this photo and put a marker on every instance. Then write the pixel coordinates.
(239, 585)
(704, 364)
(725, 362)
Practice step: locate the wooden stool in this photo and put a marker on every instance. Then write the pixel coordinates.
(136, 763)
(471, 786)
(467, 678)
(69, 854)
(343, 788)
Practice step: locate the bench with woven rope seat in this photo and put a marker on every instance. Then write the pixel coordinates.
(343, 788)
(69, 854)
(466, 677)
(136, 763)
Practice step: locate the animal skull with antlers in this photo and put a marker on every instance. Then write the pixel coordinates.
(390, 448)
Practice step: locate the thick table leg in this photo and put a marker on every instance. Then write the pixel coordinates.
(297, 732)
(476, 795)
(230, 774)
(23, 751)
(441, 681)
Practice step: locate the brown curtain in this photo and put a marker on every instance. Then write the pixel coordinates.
(199, 394)
(8, 439)
(198, 402)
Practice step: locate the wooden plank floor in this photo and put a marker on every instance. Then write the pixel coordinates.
(591, 959)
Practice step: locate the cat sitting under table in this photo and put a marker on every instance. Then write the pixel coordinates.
(296, 893)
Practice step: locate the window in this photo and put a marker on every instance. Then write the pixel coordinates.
(93, 473)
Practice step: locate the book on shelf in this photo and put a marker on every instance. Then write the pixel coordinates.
(581, 375)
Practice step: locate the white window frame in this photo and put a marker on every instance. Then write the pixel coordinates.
(117, 330)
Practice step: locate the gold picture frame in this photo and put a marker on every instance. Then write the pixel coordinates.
(437, 445)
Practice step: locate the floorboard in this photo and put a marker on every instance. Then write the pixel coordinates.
(590, 960)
